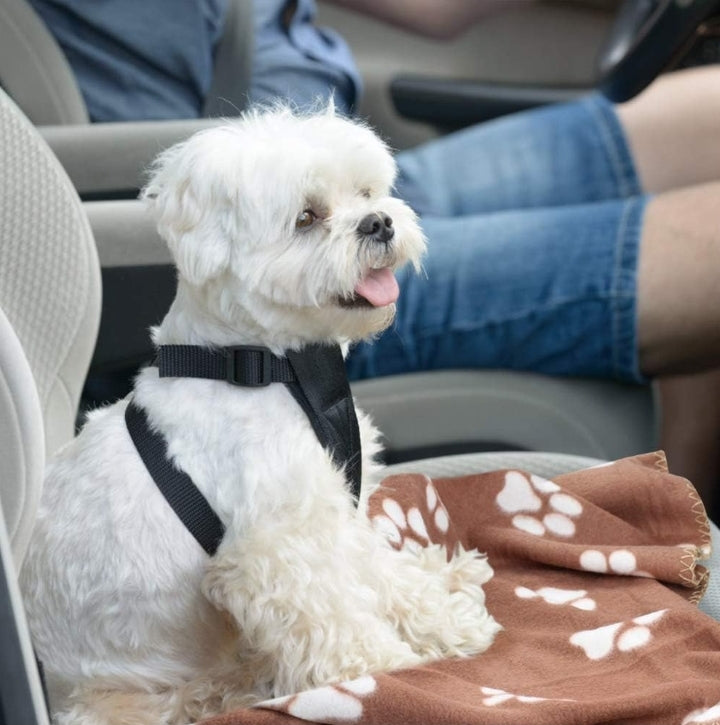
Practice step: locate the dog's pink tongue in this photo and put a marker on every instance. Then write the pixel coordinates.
(379, 287)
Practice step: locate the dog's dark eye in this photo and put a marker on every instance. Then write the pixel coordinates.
(365, 193)
(305, 219)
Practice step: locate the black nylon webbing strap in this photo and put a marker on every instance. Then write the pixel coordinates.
(175, 485)
(323, 392)
(245, 365)
(316, 378)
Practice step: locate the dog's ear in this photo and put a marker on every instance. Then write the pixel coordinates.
(189, 204)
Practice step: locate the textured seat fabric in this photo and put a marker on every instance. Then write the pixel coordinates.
(21, 692)
(49, 315)
(22, 447)
(21, 473)
(548, 465)
(49, 271)
(710, 603)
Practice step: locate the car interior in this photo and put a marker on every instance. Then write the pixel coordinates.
(83, 273)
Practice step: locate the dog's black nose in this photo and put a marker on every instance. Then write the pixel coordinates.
(378, 227)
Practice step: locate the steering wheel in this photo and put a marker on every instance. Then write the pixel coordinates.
(647, 38)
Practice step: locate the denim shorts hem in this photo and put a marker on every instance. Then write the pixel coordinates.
(616, 145)
(626, 362)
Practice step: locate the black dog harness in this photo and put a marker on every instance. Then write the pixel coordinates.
(316, 378)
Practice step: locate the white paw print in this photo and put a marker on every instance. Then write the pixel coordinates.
(623, 636)
(333, 702)
(408, 530)
(435, 507)
(550, 595)
(620, 561)
(495, 697)
(526, 499)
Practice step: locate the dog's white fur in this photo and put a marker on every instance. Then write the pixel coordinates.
(134, 623)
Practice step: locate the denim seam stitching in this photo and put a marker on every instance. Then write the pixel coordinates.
(612, 149)
(617, 270)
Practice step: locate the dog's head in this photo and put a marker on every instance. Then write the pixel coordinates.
(282, 224)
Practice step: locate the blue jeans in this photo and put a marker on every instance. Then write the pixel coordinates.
(533, 224)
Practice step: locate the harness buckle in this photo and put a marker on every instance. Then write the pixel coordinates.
(238, 363)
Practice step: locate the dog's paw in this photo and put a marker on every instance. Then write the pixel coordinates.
(440, 603)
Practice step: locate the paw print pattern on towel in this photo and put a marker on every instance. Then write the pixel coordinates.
(708, 717)
(620, 561)
(550, 595)
(622, 636)
(333, 702)
(410, 529)
(495, 697)
(538, 506)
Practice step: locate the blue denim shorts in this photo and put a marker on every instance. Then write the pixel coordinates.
(533, 224)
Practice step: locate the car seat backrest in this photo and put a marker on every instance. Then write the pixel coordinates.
(21, 474)
(21, 692)
(34, 70)
(49, 271)
(233, 62)
(22, 446)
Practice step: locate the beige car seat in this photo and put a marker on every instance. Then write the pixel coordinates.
(21, 465)
(22, 437)
(49, 276)
(50, 297)
(49, 314)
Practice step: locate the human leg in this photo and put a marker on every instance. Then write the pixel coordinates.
(679, 329)
(573, 153)
(690, 431)
(672, 129)
(678, 290)
(621, 289)
(550, 290)
(671, 132)
(580, 151)
(487, 196)
(678, 294)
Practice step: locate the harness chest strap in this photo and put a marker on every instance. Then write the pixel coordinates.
(317, 380)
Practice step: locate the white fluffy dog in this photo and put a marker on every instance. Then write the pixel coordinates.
(131, 618)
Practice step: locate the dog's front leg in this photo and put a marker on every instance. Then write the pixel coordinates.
(302, 596)
(436, 603)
